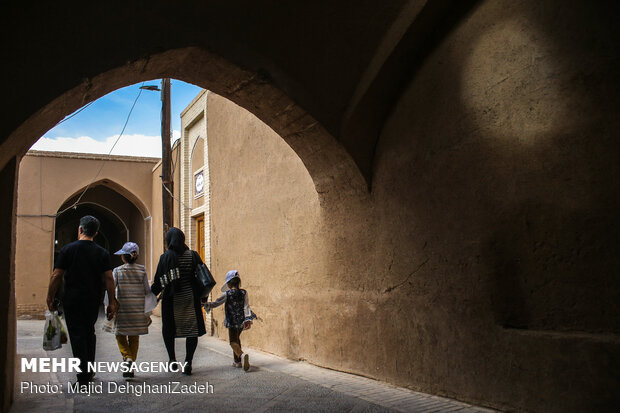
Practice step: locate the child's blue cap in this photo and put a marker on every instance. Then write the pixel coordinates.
(130, 248)
(229, 276)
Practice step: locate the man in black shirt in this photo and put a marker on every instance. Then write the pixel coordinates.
(84, 265)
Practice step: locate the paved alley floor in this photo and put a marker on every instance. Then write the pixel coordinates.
(273, 384)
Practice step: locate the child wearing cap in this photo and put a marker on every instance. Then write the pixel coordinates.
(238, 314)
(132, 287)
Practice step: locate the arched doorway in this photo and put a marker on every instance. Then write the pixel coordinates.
(327, 162)
(113, 231)
(121, 220)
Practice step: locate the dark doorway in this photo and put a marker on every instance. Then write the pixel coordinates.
(112, 232)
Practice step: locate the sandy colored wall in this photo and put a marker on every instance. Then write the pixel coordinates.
(265, 222)
(479, 267)
(193, 132)
(46, 181)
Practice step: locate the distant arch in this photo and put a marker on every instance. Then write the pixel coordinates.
(109, 183)
(108, 210)
(122, 218)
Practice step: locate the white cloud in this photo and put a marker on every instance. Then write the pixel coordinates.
(132, 145)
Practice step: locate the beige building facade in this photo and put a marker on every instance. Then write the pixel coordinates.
(52, 197)
(193, 182)
(194, 176)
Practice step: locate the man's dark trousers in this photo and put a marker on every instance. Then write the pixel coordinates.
(81, 319)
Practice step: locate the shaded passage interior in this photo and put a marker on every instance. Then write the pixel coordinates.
(479, 265)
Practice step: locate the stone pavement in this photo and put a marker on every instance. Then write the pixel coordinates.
(273, 384)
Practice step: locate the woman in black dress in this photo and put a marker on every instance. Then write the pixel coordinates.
(180, 308)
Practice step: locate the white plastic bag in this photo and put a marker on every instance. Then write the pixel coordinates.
(150, 302)
(52, 331)
(109, 326)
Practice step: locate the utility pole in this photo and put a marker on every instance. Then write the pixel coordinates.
(166, 155)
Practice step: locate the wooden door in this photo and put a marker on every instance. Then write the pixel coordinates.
(200, 248)
(200, 236)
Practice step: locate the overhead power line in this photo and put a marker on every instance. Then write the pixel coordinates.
(75, 113)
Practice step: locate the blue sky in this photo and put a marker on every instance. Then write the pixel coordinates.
(95, 128)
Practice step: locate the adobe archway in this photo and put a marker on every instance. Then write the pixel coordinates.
(334, 173)
(121, 219)
(121, 215)
(438, 163)
(114, 186)
(327, 161)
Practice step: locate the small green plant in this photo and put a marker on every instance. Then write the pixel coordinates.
(51, 330)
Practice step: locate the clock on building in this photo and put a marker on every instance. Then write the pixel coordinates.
(199, 183)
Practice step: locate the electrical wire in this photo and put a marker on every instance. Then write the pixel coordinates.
(174, 197)
(75, 113)
(174, 167)
(35, 225)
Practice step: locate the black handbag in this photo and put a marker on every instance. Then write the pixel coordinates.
(205, 278)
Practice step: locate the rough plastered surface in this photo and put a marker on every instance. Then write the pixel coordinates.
(482, 263)
(478, 266)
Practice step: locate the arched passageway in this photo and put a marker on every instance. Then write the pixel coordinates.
(495, 171)
(121, 220)
(112, 233)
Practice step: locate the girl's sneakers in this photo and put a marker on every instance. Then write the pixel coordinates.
(128, 362)
(236, 364)
(245, 357)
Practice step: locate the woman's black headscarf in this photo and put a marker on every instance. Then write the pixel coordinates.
(175, 240)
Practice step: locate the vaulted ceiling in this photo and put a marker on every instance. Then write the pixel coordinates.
(343, 62)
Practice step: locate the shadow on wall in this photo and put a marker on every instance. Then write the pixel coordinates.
(553, 270)
(510, 154)
(555, 246)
